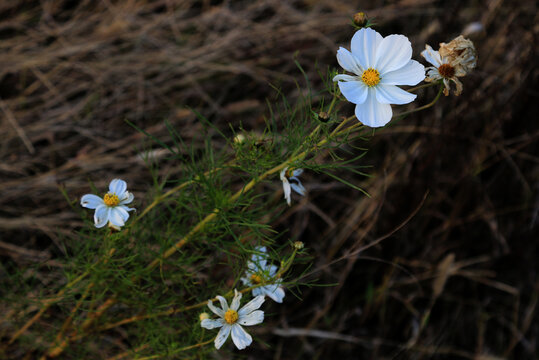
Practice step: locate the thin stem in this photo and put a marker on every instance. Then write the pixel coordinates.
(179, 350)
(422, 86)
(424, 106)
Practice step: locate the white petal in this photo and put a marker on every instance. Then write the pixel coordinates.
(372, 113)
(254, 318)
(391, 94)
(224, 303)
(216, 310)
(344, 77)
(127, 198)
(282, 174)
(117, 216)
(212, 324)
(297, 172)
(364, 46)
(348, 61)
(236, 300)
(91, 201)
(287, 190)
(251, 306)
(125, 208)
(258, 261)
(246, 281)
(272, 270)
(258, 291)
(432, 56)
(275, 292)
(298, 188)
(240, 337)
(101, 216)
(354, 91)
(118, 187)
(222, 336)
(411, 74)
(394, 52)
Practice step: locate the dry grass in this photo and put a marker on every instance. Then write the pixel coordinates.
(458, 280)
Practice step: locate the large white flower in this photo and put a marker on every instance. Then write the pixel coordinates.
(112, 207)
(379, 64)
(230, 320)
(259, 271)
(286, 176)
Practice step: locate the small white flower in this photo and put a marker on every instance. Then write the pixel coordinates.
(112, 207)
(288, 186)
(378, 65)
(231, 319)
(259, 271)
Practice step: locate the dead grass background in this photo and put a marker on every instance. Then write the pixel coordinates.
(459, 280)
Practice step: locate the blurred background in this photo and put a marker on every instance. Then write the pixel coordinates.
(457, 280)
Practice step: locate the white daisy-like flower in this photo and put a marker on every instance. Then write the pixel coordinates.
(286, 176)
(259, 271)
(379, 64)
(453, 60)
(112, 207)
(231, 320)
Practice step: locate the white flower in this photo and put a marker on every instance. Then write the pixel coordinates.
(111, 208)
(378, 65)
(231, 319)
(287, 185)
(454, 60)
(259, 271)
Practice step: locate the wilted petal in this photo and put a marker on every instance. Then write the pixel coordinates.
(118, 187)
(344, 77)
(224, 303)
(286, 191)
(222, 336)
(254, 318)
(394, 52)
(372, 113)
(251, 306)
(127, 198)
(212, 324)
(364, 45)
(240, 337)
(236, 300)
(91, 201)
(348, 61)
(101, 216)
(215, 309)
(432, 56)
(391, 94)
(354, 91)
(411, 74)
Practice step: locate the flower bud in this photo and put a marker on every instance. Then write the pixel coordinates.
(360, 19)
(204, 316)
(298, 245)
(323, 116)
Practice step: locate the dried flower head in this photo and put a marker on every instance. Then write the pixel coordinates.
(453, 60)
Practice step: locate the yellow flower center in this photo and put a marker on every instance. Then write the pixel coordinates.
(370, 77)
(231, 316)
(447, 71)
(111, 200)
(256, 279)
